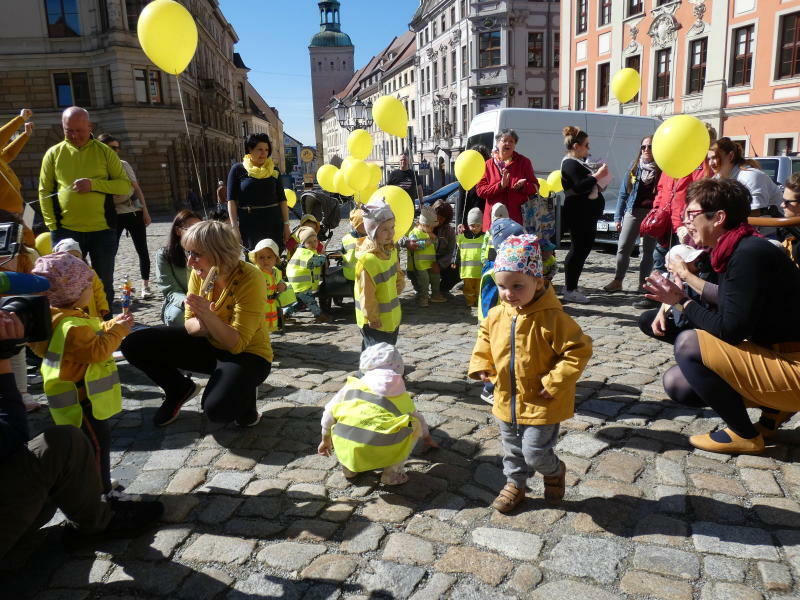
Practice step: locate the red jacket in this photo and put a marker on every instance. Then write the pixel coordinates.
(673, 191)
(489, 188)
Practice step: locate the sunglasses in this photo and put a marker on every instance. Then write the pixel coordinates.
(647, 146)
(787, 202)
(191, 254)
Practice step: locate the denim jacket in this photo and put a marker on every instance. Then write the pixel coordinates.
(626, 199)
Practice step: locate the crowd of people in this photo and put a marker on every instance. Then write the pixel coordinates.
(718, 289)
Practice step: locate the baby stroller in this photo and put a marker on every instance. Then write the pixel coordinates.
(326, 209)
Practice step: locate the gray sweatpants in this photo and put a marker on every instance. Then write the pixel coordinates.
(627, 238)
(527, 449)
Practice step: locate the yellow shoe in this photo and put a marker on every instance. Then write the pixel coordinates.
(737, 445)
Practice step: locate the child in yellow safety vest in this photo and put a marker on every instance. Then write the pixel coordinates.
(79, 373)
(423, 270)
(304, 271)
(469, 251)
(372, 422)
(265, 257)
(379, 278)
(350, 243)
(98, 305)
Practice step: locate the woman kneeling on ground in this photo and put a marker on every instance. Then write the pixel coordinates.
(747, 352)
(224, 333)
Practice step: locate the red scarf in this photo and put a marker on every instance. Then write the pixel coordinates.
(727, 243)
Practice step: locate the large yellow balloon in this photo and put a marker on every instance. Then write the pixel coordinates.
(359, 144)
(44, 243)
(364, 195)
(356, 174)
(544, 187)
(625, 84)
(402, 206)
(168, 35)
(554, 181)
(391, 116)
(341, 185)
(325, 176)
(291, 197)
(470, 167)
(375, 175)
(680, 144)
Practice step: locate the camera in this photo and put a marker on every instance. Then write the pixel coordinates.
(10, 239)
(34, 312)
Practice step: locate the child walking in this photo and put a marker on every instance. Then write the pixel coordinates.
(80, 375)
(350, 243)
(372, 422)
(379, 279)
(422, 257)
(534, 353)
(470, 244)
(304, 271)
(265, 257)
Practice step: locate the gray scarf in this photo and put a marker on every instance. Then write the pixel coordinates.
(648, 171)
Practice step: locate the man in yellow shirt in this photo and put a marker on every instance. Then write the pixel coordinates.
(77, 180)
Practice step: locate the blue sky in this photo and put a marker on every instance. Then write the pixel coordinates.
(273, 42)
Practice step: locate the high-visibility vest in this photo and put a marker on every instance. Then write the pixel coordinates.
(384, 276)
(349, 243)
(487, 245)
(271, 301)
(286, 297)
(469, 250)
(301, 276)
(372, 431)
(101, 380)
(421, 259)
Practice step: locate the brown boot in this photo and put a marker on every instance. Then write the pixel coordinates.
(555, 485)
(508, 498)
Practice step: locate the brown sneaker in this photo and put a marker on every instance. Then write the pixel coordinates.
(322, 318)
(614, 286)
(555, 485)
(438, 298)
(509, 498)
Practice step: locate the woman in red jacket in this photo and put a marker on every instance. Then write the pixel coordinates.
(509, 179)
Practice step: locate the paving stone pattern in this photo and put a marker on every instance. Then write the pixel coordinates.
(255, 513)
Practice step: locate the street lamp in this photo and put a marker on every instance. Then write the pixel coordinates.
(356, 116)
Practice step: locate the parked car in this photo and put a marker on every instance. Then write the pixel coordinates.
(449, 191)
(779, 168)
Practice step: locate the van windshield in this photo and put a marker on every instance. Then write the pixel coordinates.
(483, 139)
(770, 167)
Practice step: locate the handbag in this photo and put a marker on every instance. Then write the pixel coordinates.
(657, 223)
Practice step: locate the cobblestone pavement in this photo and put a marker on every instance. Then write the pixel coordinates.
(256, 513)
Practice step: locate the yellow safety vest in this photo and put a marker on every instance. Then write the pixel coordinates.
(423, 258)
(286, 297)
(487, 245)
(101, 380)
(372, 431)
(349, 243)
(384, 275)
(469, 250)
(303, 278)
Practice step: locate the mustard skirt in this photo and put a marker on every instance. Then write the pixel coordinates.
(764, 376)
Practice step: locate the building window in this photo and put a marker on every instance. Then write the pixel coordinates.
(697, 65)
(555, 101)
(464, 119)
(444, 69)
(62, 18)
(635, 7)
(581, 15)
(444, 23)
(789, 49)
(781, 146)
(742, 64)
(535, 102)
(663, 65)
(452, 16)
(603, 81)
(413, 109)
(556, 50)
(463, 8)
(464, 61)
(453, 67)
(536, 49)
(435, 75)
(605, 12)
(634, 62)
(433, 32)
(72, 89)
(580, 90)
(489, 49)
(133, 8)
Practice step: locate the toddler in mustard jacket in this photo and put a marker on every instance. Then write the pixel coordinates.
(534, 353)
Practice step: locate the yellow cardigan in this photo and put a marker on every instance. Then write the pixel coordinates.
(241, 305)
(550, 352)
(10, 197)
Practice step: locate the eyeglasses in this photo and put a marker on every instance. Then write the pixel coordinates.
(191, 254)
(690, 215)
(647, 146)
(785, 202)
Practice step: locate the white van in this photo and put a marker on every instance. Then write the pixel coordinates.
(614, 139)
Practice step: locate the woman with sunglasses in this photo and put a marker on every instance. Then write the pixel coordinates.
(172, 274)
(791, 208)
(224, 334)
(633, 203)
(747, 351)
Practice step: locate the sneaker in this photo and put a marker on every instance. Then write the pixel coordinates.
(322, 318)
(250, 420)
(555, 485)
(145, 293)
(118, 356)
(31, 405)
(487, 393)
(423, 301)
(169, 409)
(575, 296)
(614, 286)
(645, 304)
(438, 298)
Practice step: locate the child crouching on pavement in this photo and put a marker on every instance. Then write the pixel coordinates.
(79, 373)
(534, 353)
(470, 244)
(372, 422)
(265, 257)
(304, 271)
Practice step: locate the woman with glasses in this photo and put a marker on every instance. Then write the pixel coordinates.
(172, 274)
(747, 351)
(635, 200)
(791, 208)
(224, 334)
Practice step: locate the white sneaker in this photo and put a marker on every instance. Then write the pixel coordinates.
(575, 296)
(145, 293)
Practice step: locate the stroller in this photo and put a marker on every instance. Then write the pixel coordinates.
(325, 208)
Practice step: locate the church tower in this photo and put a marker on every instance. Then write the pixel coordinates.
(331, 54)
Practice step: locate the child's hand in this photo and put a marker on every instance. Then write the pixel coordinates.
(376, 324)
(484, 375)
(545, 394)
(428, 442)
(452, 265)
(325, 446)
(124, 319)
(281, 287)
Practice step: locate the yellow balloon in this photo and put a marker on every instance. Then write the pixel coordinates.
(341, 185)
(359, 144)
(391, 116)
(554, 182)
(375, 175)
(44, 243)
(470, 167)
(544, 187)
(325, 176)
(356, 174)
(402, 206)
(625, 84)
(680, 144)
(364, 195)
(168, 35)
(291, 197)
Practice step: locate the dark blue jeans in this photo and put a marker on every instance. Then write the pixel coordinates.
(660, 258)
(100, 247)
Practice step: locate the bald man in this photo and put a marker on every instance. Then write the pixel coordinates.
(77, 181)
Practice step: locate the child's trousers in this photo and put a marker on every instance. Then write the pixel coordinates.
(99, 434)
(470, 290)
(526, 449)
(428, 279)
(310, 300)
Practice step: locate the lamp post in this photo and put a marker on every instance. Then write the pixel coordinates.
(356, 116)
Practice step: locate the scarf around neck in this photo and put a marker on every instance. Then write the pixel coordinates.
(727, 243)
(262, 172)
(648, 171)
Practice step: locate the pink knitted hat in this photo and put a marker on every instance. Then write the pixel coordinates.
(68, 277)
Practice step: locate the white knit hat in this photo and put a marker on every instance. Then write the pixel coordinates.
(427, 216)
(381, 356)
(475, 216)
(376, 213)
(499, 211)
(68, 245)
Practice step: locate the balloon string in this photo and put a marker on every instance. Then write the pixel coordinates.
(191, 148)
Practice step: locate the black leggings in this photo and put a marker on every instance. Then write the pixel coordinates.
(133, 223)
(160, 352)
(99, 434)
(582, 231)
(694, 384)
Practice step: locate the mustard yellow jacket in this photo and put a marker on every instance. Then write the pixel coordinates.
(526, 350)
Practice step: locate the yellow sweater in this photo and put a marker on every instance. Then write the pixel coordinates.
(10, 197)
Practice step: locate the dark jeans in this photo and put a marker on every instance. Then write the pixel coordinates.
(133, 223)
(160, 352)
(370, 337)
(672, 330)
(660, 258)
(100, 247)
(582, 231)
